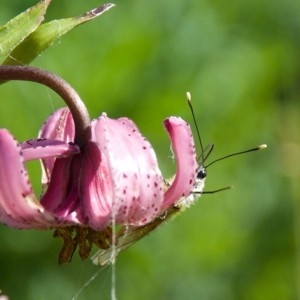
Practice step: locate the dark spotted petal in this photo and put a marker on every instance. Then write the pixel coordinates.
(19, 206)
(184, 151)
(130, 163)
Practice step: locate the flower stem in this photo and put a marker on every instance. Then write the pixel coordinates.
(62, 88)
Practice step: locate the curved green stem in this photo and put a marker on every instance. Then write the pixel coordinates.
(62, 88)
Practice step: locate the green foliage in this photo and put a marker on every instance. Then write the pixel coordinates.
(16, 30)
(240, 61)
(24, 38)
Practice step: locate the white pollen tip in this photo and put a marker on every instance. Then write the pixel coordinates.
(263, 146)
(188, 96)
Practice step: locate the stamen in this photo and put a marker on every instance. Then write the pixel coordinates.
(260, 147)
(189, 100)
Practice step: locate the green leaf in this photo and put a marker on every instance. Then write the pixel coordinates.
(46, 34)
(17, 29)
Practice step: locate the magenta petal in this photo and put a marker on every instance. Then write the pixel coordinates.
(45, 148)
(184, 150)
(136, 179)
(62, 196)
(59, 126)
(18, 205)
(96, 187)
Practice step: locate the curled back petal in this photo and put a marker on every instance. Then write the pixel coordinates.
(59, 126)
(136, 179)
(18, 205)
(184, 150)
(45, 148)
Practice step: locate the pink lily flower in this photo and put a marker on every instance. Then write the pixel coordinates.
(93, 172)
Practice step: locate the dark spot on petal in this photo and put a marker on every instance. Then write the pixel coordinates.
(155, 184)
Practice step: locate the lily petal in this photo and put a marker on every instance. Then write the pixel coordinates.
(62, 196)
(96, 187)
(136, 179)
(59, 126)
(45, 148)
(184, 149)
(18, 205)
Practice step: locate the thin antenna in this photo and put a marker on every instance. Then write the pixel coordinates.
(189, 100)
(260, 147)
(218, 190)
(210, 148)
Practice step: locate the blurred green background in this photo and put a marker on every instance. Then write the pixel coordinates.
(241, 62)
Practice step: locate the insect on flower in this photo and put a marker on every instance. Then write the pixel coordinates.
(95, 173)
(128, 235)
(97, 176)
